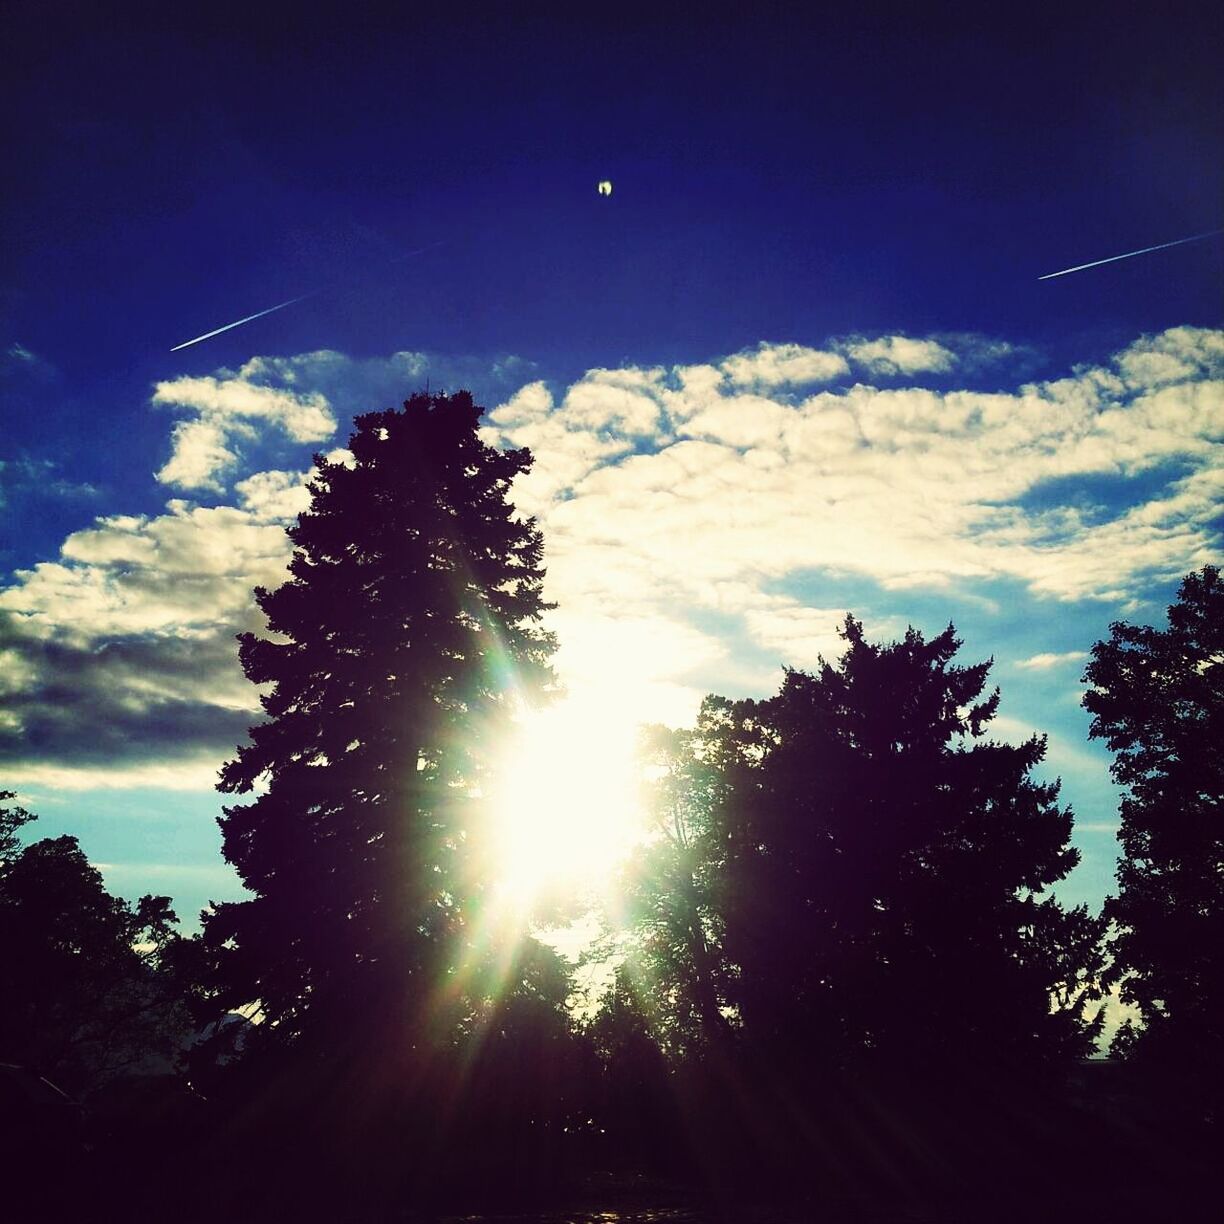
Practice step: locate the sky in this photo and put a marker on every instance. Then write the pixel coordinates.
(798, 363)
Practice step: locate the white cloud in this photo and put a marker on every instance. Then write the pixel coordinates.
(798, 635)
(1065, 756)
(298, 400)
(228, 408)
(1116, 1013)
(641, 665)
(119, 664)
(528, 405)
(604, 401)
(122, 652)
(740, 486)
(1047, 660)
(679, 505)
(192, 773)
(198, 455)
(568, 442)
(310, 369)
(304, 417)
(900, 355)
(279, 495)
(180, 573)
(1172, 356)
(778, 365)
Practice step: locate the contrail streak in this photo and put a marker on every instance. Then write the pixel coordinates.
(1096, 263)
(419, 251)
(259, 314)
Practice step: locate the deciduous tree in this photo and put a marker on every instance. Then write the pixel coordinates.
(878, 871)
(88, 984)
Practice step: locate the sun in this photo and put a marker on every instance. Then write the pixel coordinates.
(566, 807)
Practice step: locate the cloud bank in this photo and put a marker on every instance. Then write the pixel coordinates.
(681, 507)
(686, 478)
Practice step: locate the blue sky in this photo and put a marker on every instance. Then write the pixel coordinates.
(798, 363)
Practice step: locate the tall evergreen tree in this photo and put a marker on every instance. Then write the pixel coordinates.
(407, 627)
(1157, 699)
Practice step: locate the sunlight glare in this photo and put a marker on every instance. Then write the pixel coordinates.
(567, 808)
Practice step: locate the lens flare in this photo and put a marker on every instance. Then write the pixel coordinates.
(566, 808)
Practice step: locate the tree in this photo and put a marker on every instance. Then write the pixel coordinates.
(879, 879)
(89, 988)
(1157, 699)
(405, 634)
(675, 975)
(11, 819)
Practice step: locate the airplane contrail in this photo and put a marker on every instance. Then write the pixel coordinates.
(259, 314)
(1096, 263)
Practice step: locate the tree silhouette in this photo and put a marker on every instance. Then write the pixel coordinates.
(878, 877)
(1157, 699)
(672, 891)
(397, 646)
(87, 981)
(11, 819)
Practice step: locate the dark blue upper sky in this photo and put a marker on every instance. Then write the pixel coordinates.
(783, 174)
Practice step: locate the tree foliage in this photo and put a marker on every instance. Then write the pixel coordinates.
(408, 626)
(673, 893)
(88, 981)
(861, 874)
(1157, 699)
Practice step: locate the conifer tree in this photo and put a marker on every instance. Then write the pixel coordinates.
(1157, 699)
(409, 623)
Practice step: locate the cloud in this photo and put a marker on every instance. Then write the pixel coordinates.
(21, 365)
(245, 418)
(972, 352)
(179, 773)
(228, 409)
(351, 385)
(568, 442)
(1174, 355)
(1116, 1013)
(180, 573)
(683, 508)
(279, 495)
(778, 365)
(305, 417)
(1045, 661)
(891, 355)
(120, 656)
(740, 486)
(199, 454)
(641, 666)
(797, 635)
(118, 664)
